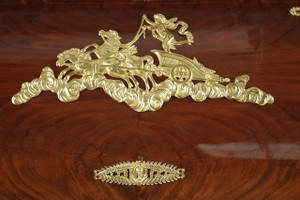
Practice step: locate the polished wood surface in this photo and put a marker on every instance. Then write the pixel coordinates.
(230, 150)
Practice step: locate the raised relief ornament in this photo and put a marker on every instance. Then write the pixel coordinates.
(295, 11)
(113, 60)
(139, 173)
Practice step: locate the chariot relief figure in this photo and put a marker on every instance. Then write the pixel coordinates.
(98, 66)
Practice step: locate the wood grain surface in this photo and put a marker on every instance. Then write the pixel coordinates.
(230, 150)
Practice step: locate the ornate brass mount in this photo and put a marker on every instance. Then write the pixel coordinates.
(139, 173)
(295, 11)
(118, 60)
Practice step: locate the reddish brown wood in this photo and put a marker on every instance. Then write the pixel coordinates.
(49, 149)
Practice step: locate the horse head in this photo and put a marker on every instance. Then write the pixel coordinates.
(72, 55)
(111, 37)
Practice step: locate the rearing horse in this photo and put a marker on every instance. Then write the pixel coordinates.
(111, 59)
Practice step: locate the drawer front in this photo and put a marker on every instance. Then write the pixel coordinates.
(229, 150)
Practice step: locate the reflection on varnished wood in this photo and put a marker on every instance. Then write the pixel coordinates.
(230, 151)
(275, 151)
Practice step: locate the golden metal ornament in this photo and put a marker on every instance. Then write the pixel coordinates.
(139, 173)
(295, 11)
(117, 60)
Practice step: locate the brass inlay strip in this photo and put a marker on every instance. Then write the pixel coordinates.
(95, 63)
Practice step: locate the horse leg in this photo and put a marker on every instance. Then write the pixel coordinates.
(150, 77)
(88, 46)
(67, 78)
(63, 73)
(144, 78)
(124, 77)
(149, 66)
(70, 66)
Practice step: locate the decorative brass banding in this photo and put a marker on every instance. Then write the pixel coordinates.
(139, 173)
(90, 68)
(295, 11)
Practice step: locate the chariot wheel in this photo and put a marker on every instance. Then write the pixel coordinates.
(181, 73)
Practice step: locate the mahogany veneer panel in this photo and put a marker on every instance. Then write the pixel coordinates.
(230, 150)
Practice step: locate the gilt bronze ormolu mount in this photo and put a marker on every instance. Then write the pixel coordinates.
(139, 173)
(114, 59)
